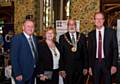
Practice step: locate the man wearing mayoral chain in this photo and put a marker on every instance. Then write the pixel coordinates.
(74, 49)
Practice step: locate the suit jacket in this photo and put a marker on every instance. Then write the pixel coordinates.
(21, 56)
(74, 61)
(110, 47)
(45, 57)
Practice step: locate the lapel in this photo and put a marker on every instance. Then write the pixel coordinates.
(27, 43)
(68, 36)
(77, 34)
(49, 52)
(47, 47)
(95, 39)
(35, 41)
(104, 39)
(25, 39)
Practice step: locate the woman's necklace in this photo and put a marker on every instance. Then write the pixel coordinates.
(51, 45)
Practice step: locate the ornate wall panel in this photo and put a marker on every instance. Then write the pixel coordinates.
(22, 8)
(84, 10)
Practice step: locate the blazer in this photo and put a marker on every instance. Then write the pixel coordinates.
(73, 60)
(45, 57)
(21, 56)
(110, 47)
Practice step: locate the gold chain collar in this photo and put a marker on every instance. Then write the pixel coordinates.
(71, 42)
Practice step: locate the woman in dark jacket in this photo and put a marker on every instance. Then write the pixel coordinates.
(50, 59)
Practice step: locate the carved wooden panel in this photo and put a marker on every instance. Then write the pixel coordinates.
(111, 9)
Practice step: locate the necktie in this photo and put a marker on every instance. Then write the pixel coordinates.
(73, 39)
(33, 49)
(100, 47)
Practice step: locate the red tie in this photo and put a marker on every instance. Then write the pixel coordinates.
(100, 47)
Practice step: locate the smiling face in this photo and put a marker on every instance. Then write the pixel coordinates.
(49, 35)
(99, 20)
(71, 26)
(28, 27)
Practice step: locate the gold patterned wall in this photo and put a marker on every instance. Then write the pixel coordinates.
(84, 10)
(22, 8)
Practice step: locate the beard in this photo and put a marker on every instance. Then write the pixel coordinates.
(72, 30)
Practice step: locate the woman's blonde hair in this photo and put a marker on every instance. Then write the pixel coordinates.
(48, 29)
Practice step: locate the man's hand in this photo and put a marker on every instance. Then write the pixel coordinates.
(90, 71)
(113, 70)
(43, 77)
(85, 71)
(62, 73)
(19, 78)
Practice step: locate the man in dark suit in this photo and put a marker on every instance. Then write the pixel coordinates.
(103, 51)
(23, 54)
(74, 54)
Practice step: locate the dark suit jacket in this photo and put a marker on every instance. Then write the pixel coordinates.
(74, 61)
(45, 57)
(21, 56)
(110, 47)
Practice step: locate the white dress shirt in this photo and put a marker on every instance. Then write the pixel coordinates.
(74, 34)
(56, 56)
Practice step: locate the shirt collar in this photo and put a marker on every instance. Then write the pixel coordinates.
(72, 33)
(101, 29)
(26, 35)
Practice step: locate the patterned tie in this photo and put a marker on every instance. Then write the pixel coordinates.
(100, 47)
(33, 49)
(73, 39)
